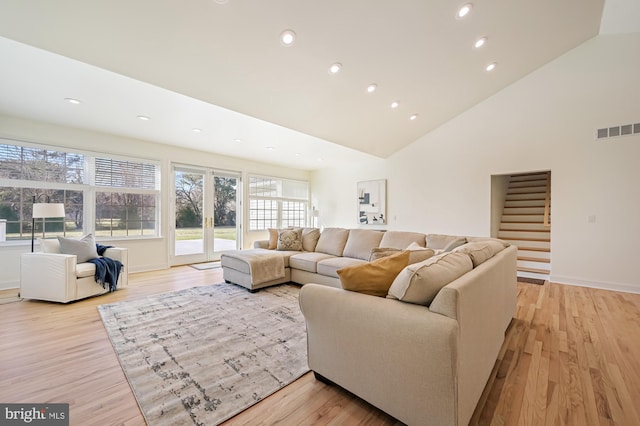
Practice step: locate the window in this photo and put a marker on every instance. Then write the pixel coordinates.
(121, 194)
(277, 203)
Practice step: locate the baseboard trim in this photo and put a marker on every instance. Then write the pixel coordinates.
(603, 285)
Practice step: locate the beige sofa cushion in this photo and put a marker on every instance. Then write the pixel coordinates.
(310, 237)
(416, 253)
(444, 242)
(373, 278)
(308, 261)
(402, 239)
(419, 283)
(481, 251)
(360, 243)
(329, 267)
(332, 241)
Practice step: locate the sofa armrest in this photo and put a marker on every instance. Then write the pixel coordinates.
(264, 244)
(48, 276)
(121, 254)
(400, 357)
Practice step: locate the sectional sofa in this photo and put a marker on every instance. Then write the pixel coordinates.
(424, 352)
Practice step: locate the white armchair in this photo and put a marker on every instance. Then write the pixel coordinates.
(57, 277)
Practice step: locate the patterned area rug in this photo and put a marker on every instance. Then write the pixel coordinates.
(201, 355)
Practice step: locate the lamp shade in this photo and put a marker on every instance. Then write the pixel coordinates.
(46, 210)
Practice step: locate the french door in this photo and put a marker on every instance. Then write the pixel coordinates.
(206, 214)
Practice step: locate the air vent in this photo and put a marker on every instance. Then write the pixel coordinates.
(615, 131)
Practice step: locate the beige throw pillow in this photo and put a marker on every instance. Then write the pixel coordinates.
(290, 240)
(373, 278)
(419, 283)
(273, 238)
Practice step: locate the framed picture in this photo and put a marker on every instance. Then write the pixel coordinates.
(372, 202)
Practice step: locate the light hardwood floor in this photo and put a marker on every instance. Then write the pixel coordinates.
(571, 357)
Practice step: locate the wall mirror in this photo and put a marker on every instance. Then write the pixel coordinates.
(372, 202)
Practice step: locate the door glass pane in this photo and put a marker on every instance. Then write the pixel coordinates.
(224, 213)
(189, 230)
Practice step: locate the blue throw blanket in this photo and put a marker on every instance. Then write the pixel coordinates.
(107, 269)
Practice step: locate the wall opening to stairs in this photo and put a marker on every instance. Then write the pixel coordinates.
(521, 215)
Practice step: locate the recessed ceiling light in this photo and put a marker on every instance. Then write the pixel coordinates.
(413, 117)
(298, 154)
(287, 37)
(491, 66)
(143, 118)
(221, 1)
(237, 140)
(73, 101)
(270, 148)
(480, 42)
(372, 87)
(394, 104)
(335, 68)
(464, 10)
(195, 129)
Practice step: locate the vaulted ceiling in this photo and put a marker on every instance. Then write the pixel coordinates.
(219, 66)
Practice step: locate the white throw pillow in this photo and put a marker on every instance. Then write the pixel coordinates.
(84, 248)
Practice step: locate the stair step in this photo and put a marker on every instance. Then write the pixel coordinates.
(524, 226)
(533, 275)
(534, 270)
(528, 176)
(527, 196)
(527, 190)
(509, 211)
(533, 259)
(528, 183)
(523, 218)
(539, 249)
(527, 235)
(524, 203)
(529, 243)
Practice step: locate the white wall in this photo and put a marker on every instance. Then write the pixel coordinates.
(144, 254)
(442, 182)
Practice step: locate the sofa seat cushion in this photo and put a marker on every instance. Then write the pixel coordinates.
(332, 241)
(360, 243)
(228, 260)
(308, 261)
(420, 283)
(402, 239)
(329, 267)
(85, 269)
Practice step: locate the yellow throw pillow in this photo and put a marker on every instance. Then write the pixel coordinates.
(373, 278)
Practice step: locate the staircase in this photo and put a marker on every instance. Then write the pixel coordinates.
(526, 222)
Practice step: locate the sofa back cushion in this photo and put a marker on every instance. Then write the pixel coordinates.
(416, 253)
(481, 251)
(419, 283)
(401, 239)
(444, 242)
(332, 241)
(360, 243)
(310, 237)
(49, 245)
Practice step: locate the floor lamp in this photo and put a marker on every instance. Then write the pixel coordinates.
(44, 211)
